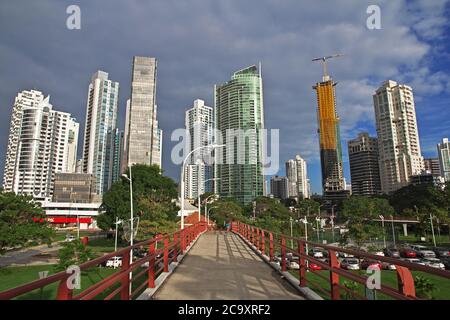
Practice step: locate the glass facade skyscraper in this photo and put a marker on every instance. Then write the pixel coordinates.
(240, 120)
(100, 130)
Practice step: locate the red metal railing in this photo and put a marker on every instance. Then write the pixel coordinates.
(118, 284)
(268, 243)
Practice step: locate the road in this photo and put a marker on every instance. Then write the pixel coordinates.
(42, 254)
(221, 266)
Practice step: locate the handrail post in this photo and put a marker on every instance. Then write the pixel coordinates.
(263, 243)
(166, 253)
(405, 282)
(334, 277)
(64, 293)
(302, 269)
(175, 246)
(125, 282)
(151, 265)
(283, 254)
(257, 242)
(271, 245)
(248, 233)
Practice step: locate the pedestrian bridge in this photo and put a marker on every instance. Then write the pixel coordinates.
(198, 263)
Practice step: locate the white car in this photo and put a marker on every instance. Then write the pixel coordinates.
(423, 251)
(114, 262)
(413, 260)
(293, 265)
(350, 264)
(434, 263)
(70, 238)
(316, 252)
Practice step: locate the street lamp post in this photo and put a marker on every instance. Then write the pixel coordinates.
(305, 221)
(332, 221)
(393, 231)
(130, 180)
(432, 230)
(384, 231)
(292, 240)
(206, 203)
(182, 176)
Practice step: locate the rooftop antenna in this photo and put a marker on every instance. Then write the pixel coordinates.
(326, 77)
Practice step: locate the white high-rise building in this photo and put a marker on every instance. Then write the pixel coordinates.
(298, 182)
(444, 158)
(99, 134)
(199, 126)
(398, 138)
(42, 142)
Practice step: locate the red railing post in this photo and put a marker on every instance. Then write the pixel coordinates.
(151, 265)
(182, 241)
(249, 234)
(283, 254)
(302, 270)
(263, 243)
(175, 246)
(64, 293)
(257, 242)
(125, 282)
(271, 245)
(405, 282)
(166, 253)
(334, 277)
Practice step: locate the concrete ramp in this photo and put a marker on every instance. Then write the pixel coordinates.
(220, 266)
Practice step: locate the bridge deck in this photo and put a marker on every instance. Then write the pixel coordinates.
(221, 266)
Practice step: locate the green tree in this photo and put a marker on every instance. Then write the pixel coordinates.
(359, 212)
(17, 227)
(224, 210)
(306, 206)
(72, 253)
(421, 200)
(153, 199)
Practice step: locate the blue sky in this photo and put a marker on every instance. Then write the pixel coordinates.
(199, 43)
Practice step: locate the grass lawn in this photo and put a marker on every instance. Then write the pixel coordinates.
(11, 277)
(388, 278)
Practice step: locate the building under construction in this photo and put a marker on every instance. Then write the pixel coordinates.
(333, 182)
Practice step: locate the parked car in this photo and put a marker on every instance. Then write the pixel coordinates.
(446, 262)
(442, 252)
(344, 255)
(367, 263)
(423, 252)
(314, 267)
(350, 264)
(391, 252)
(434, 263)
(388, 266)
(114, 262)
(70, 238)
(316, 252)
(293, 265)
(407, 252)
(413, 260)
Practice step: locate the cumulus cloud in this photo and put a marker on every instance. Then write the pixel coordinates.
(200, 43)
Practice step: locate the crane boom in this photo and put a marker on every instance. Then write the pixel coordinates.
(324, 63)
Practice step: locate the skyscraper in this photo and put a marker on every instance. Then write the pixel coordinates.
(199, 125)
(144, 137)
(444, 158)
(431, 166)
(240, 120)
(398, 137)
(118, 154)
(42, 142)
(364, 171)
(296, 172)
(333, 183)
(279, 187)
(100, 130)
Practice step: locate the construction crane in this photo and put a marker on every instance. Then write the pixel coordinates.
(324, 62)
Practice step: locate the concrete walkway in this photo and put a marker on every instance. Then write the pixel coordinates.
(221, 266)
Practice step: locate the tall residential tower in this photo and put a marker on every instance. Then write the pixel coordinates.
(444, 158)
(297, 175)
(42, 142)
(100, 130)
(398, 136)
(240, 121)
